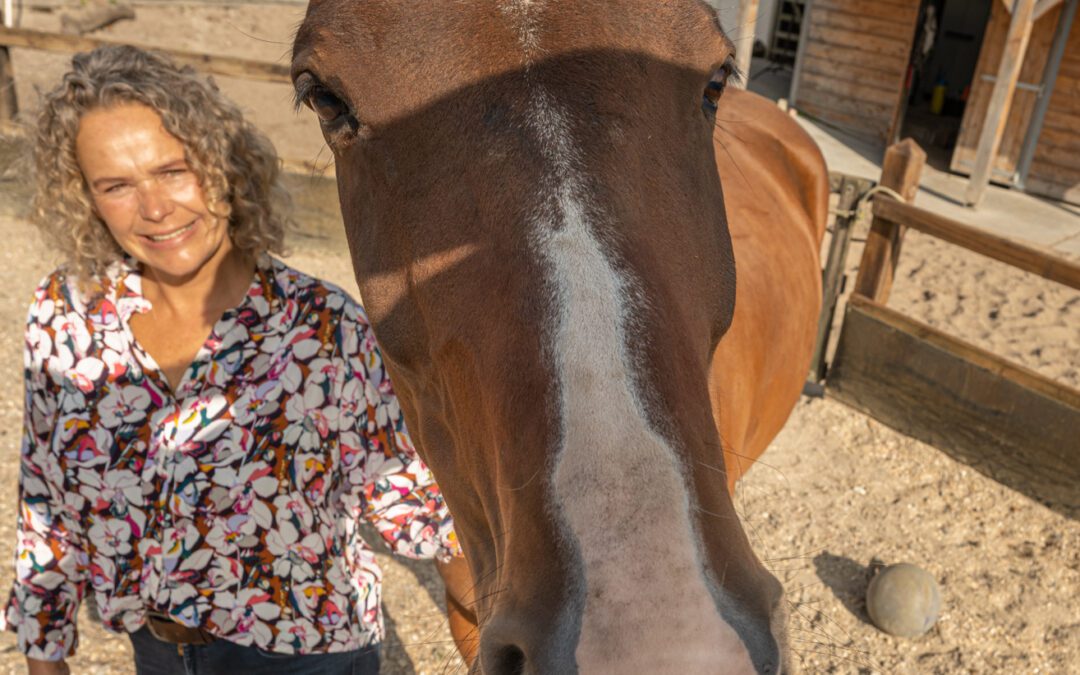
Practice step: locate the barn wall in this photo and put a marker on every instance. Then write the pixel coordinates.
(1023, 102)
(1055, 169)
(854, 63)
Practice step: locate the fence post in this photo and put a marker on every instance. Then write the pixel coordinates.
(8, 103)
(901, 172)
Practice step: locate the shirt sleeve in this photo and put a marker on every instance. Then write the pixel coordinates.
(390, 485)
(49, 562)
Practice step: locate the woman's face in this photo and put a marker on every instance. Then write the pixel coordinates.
(144, 190)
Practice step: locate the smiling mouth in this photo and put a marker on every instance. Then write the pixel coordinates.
(171, 235)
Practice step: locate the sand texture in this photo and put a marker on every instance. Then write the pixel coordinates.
(836, 495)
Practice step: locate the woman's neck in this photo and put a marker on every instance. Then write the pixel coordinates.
(219, 284)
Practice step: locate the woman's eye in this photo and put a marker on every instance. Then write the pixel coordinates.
(112, 189)
(326, 105)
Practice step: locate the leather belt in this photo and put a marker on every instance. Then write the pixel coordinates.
(163, 627)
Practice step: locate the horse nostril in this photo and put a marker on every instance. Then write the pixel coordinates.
(509, 660)
(503, 647)
(516, 643)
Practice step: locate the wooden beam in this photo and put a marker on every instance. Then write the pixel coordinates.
(800, 51)
(744, 49)
(1006, 421)
(997, 113)
(218, 65)
(1022, 256)
(1042, 7)
(901, 171)
(8, 101)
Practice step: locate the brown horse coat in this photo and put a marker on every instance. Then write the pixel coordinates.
(776, 194)
(574, 269)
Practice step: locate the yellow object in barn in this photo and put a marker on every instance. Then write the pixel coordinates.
(937, 98)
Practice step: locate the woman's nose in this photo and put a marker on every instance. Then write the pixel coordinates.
(155, 203)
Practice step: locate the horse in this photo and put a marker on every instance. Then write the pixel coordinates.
(592, 267)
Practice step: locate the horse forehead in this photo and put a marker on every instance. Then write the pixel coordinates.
(493, 30)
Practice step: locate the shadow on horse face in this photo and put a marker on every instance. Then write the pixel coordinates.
(539, 235)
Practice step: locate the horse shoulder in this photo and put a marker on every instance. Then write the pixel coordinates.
(776, 194)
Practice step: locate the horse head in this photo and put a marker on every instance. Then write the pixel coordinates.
(538, 230)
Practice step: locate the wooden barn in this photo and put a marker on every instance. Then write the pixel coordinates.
(991, 88)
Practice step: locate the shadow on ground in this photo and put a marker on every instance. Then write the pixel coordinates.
(847, 580)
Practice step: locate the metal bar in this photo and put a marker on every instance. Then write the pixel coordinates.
(851, 190)
(1026, 86)
(1057, 53)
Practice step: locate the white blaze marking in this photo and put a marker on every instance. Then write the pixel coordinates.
(618, 485)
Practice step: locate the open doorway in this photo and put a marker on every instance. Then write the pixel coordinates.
(945, 52)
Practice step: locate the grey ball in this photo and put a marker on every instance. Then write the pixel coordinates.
(903, 600)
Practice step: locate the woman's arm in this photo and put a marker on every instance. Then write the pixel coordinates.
(49, 572)
(392, 488)
(400, 496)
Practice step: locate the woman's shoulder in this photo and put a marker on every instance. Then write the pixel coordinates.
(312, 291)
(64, 291)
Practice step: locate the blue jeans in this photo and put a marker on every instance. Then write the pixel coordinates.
(154, 657)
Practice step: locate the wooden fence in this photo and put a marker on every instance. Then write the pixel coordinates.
(228, 66)
(1015, 425)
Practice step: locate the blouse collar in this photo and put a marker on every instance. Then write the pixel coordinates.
(125, 279)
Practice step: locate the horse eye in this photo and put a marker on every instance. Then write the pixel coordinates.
(326, 105)
(716, 86)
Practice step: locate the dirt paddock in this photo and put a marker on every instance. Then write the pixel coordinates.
(835, 495)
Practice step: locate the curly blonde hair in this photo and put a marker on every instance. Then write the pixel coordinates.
(236, 164)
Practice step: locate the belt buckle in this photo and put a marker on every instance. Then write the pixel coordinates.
(153, 621)
(166, 629)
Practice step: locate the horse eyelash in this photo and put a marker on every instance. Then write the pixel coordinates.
(735, 73)
(303, 89)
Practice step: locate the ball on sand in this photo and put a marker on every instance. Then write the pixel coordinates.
(903, 600)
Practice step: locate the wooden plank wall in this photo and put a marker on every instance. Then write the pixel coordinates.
(1024, 100)
(1055, 169)
(855, 62)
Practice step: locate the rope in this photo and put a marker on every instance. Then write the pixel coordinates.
(883, 190)
(877, 189)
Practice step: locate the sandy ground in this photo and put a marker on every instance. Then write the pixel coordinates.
(836, 494)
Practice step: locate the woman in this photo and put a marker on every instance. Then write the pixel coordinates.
(203, 424)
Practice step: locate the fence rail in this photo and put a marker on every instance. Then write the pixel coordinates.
(218, 65)
(228, 66)
(1008, 251)
(1006, 421)
(78, 4)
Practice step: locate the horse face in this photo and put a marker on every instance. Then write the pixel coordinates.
(538, 231)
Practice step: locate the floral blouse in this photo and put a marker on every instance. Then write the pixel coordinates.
(232, 502)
